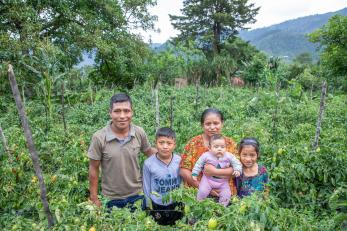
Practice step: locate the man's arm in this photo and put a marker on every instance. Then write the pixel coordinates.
(150, 151)
(93, 181)
(210, 170)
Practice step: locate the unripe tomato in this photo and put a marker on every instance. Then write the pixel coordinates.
(280, 151)
(235, 200)
(186, 209)
(54, 178)
(212, 223)
(242, 208)
(92, 229)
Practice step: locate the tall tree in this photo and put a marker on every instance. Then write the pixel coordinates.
(332, 38)
(73, 25)
(213, 21)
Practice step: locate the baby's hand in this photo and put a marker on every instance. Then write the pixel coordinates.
(195, 178)
(236, 173)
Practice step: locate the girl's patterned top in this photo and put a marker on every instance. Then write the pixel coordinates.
(247, 185)
(195, 148)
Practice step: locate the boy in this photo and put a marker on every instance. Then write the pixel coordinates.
(161, 175)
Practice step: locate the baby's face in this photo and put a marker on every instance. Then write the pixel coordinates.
(218, 147)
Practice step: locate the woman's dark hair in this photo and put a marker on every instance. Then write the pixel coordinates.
(165, 132)
(211, 111)
(120, 98)
(216, 137)
(250, 141)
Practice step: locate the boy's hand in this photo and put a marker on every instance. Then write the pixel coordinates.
(195, 178)
(236, 173)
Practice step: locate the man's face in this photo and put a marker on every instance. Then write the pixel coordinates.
(165, 146)
(121, 115)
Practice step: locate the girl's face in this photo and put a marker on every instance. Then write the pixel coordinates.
(212, 124)
(248, 156)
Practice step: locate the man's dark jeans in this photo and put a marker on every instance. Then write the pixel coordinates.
(127, 202)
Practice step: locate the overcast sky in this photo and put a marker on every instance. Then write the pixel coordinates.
(271, 12)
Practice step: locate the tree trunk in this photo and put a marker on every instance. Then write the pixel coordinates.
(216, 38)
(30, 143)
(320, 115)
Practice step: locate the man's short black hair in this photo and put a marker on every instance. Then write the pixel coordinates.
(166, 132)
(120, 98)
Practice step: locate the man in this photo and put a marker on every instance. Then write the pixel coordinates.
(116, 148)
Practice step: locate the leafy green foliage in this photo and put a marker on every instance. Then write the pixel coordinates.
(332, 39)
(305, 188)
(74, 27)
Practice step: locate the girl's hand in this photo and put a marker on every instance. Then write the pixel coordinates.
(236, 173)
(195, 178)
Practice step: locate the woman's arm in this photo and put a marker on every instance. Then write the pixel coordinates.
(186, 174)
(210, 170)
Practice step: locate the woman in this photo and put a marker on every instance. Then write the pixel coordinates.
(212, 123)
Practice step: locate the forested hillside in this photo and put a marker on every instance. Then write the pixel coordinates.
(289, 38)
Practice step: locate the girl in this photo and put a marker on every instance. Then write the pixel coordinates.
(254, 176)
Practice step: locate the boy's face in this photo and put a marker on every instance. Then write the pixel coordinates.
(218, 147)
(165, 146)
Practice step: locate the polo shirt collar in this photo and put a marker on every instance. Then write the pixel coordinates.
(111, 136)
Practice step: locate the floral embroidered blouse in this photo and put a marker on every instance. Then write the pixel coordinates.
(195, 148)
(247, 185)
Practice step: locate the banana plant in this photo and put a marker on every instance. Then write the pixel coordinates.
(44, 62)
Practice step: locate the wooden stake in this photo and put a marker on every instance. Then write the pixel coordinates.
(171, 111)
(157, 115)
(4, 141)
(63, 105)
(320, 115)
(30, 143)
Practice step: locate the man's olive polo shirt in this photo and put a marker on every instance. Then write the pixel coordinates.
(120, 168)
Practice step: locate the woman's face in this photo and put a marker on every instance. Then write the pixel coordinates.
(212, 124)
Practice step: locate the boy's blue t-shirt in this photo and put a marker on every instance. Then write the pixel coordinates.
(160, 178)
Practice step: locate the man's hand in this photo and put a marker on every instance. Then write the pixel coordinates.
(95, 200)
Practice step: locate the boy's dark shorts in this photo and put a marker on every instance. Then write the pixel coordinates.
(167, 214)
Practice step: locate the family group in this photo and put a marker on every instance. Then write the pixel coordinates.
(211, 162)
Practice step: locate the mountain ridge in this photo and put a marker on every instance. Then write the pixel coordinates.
(288, 38)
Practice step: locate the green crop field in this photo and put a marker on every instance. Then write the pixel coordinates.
(307, 188)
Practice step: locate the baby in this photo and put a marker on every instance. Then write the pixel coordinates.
(218, 157)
